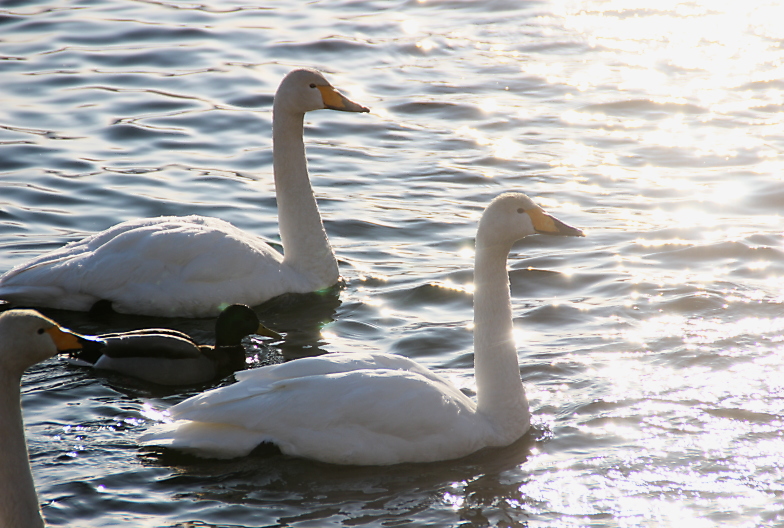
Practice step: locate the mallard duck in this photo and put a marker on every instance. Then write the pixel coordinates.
(170, 357)
(190, 266)
(377, 409)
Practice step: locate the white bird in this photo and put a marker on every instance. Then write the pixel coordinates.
(192, 266)
(379, 409)
(26, 338)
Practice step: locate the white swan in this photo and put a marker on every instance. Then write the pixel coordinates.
(191, 266)
(374, 409)
(26, 337)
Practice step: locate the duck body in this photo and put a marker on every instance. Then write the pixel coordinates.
(163, 359)
(169, 357)
(26, 338)
(380, 409)
(191, 266)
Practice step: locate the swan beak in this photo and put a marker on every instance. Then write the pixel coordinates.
(550, 225)
(335, 100)
(266, 332)
(67, 341)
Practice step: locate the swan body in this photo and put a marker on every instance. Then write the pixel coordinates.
(169, 357)
(191, 266)
(379, 409)
(26, 338)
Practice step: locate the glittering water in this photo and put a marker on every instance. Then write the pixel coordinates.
(651, 349)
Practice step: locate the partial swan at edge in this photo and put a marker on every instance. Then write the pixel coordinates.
(26, 338)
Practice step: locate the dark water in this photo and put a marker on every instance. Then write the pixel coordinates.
(651, 349)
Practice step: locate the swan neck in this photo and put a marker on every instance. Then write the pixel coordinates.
(306, 247)
(500, 393)
(18, 500)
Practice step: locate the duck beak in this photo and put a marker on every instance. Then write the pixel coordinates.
(67, 341)
(266, 332)
(335, 100)
(550, 225)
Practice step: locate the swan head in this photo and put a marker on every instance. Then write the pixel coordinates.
(304, 90)
(512, 216)
(27, 337)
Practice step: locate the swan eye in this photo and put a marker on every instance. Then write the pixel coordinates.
(520, 210)
(312, 85)
(41, 331)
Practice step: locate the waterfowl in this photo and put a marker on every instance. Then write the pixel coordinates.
(26, 338)
(380, 409)
(170, 357)
(190, 266)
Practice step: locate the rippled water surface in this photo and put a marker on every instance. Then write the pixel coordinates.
(651, 349)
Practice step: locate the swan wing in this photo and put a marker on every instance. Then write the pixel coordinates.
(258, 381)
(334, 363)
(366, 416)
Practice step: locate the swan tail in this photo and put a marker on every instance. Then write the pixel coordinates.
(205, 440)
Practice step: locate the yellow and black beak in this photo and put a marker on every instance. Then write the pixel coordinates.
(266, 332)
(549, 225)
(67, 341)
(335, 100)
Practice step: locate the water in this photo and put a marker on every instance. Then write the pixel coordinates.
(651, 349)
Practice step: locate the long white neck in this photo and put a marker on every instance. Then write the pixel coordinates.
(500, 394)
(18, 500)
(305, 245)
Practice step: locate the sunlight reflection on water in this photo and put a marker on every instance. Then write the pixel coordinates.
(651, 349)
